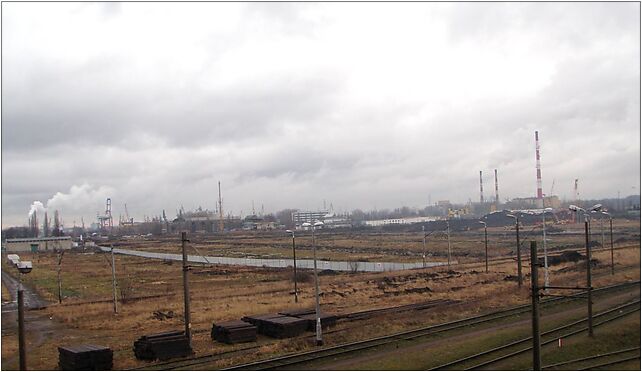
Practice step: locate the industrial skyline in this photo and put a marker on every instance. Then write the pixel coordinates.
(290, 104)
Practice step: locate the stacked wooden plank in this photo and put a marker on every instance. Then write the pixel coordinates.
(233, 332)
(162, 346)
(85, 358)
(310, 316)
(278, 325)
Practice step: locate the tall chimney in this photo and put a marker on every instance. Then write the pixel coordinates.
(481, 189)
(496, 191)
(538, 166)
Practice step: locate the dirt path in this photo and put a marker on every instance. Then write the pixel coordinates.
(396, 352)
(31, 299)
(38, 327)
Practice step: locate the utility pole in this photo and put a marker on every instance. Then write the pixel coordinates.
(588, 278)
(21, 326)
(602, 230)
(486, 245)
(113, 279)
(423, 232)
(537, 358)
(319, 337)
(519, 255)
(188, 324)
(612, 261)
(545, 253)
(296, 291)
(59, 277)
(448, 233)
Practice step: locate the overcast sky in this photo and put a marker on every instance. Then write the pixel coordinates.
(367, 106)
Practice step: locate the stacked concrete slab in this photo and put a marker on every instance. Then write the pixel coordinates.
(85, 358)
(233, 332)
(310, 316)
(278, 325)
(162, 346)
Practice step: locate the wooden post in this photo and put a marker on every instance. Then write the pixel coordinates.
(612, 261)
(519, 255)
(296, 292)
(537, 359)
(113, 279)
(21, 329)
(188, 324)
(588, 279)
(60, 277)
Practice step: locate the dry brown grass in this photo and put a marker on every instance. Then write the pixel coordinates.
(225, 293)
(6, 296)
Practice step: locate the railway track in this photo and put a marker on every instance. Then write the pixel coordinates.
(347, 317)
(567, 364)
(298, 358)
(552, 336)
(292, 359)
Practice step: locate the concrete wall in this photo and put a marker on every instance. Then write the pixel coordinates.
(43, 246)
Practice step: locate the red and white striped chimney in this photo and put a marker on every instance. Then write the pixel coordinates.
(538, 166)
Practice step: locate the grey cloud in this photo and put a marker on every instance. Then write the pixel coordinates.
(287, 139)
(77, 108)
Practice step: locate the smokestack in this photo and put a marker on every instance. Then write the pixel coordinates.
(496, 191)
(577, 196)
(481, 189)
(538, 166)
(221, 224)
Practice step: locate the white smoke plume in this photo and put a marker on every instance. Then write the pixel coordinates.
(80, 198)
(38, 207)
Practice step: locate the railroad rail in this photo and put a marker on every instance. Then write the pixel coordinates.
(611, 363)
(598, 356)
(293, 359)
(366, 344)
(556, 333)
(346, 317)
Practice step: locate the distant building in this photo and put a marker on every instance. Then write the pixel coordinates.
(38, 244)
(255, 222)
(332, 221)
(399, 221)
(301, 217)
(534, 203)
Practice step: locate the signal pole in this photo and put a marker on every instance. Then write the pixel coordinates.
(188, 324)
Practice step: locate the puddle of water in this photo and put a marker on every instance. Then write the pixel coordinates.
(275, 262)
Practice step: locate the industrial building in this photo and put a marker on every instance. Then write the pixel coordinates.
(38, 244)
(300, 217)
(399, 221)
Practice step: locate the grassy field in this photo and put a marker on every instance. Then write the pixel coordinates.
(224, 293)
(466, 246)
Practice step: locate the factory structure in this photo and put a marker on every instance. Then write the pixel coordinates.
(538, 201)
(48, 235)
(34, 245)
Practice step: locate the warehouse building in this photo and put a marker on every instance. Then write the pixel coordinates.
(38, 244)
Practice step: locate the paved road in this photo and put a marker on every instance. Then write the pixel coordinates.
(31, 298)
